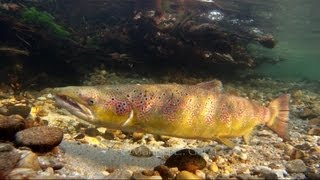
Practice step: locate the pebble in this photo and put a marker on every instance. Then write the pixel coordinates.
(40, 139)
(186, 175)
(296, 166)
(213, 167)
(8, 160)
(9, 125)
(141, 151)
(29, 160)
(120, 174)
(165, 172)
(186, 159)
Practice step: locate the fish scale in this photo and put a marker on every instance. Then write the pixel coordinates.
(199, 111)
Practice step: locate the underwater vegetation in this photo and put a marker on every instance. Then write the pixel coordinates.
(33, 16)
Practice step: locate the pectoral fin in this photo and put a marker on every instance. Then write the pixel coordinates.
(214, 85)
(226, 142)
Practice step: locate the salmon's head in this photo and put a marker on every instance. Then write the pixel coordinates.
(95, 105)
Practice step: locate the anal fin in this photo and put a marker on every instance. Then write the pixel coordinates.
(246, 138)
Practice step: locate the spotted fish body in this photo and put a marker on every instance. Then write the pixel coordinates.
(186, 111)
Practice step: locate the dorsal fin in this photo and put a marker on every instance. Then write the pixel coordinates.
(214, 85)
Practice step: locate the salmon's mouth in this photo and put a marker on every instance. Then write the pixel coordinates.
(74, 107)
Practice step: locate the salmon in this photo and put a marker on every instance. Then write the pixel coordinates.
(200, 111)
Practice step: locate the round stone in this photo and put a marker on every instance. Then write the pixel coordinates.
(141, 151)
(9, 125)
(39, 139)
(296, 166)
(186, 159)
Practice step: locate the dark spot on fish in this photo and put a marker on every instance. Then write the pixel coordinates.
(128, 95)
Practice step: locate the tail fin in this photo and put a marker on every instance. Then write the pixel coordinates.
(279, 110)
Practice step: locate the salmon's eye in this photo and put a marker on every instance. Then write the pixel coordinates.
(91, 101)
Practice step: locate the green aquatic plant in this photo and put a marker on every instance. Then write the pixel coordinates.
(32, 15)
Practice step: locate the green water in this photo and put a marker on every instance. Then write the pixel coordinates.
(297, 27)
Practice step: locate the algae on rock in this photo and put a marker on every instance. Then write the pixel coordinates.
(32, 15)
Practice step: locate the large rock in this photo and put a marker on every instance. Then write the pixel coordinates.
(9, 125)
(186, 159)
(8, 159)
(39, 139)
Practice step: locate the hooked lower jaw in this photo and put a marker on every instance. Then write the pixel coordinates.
(74, 107)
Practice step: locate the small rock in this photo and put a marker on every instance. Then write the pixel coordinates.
(200, 174)
(165, 172)
(39, 139)
(9, 125)
(304, 146)
(213, 167)
(22, 111)
(139, 175)
(313, 175)
(4, 147)
(120, 174)
(79, 136)
(186, 159)
(296, 166)
(314, 122)
(22, 173)
(137, 136)
(245, 177)
(8, 160)
(314, 131)
(307, 113)
(141, 151)
(265, 172)
(29, 160)
(186, 175)
(93, 132)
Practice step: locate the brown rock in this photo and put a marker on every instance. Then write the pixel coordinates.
(9, 125)
(8, 160)
(314, 131)
(164, 172)
(186, 159)
(307, 113)
(141, 151)
(93, 132)
(314, 122)
(23, 111)
(39, 139)
(29, 160)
